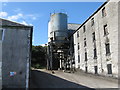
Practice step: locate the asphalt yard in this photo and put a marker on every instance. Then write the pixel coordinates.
(41, 78)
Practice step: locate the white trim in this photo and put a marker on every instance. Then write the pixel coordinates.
(28, 62)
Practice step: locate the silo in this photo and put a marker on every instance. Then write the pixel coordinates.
(58, 26)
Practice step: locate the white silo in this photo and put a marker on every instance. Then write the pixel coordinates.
(58, 26)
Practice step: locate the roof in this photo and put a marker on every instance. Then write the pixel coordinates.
(5, 22)
(73, 26)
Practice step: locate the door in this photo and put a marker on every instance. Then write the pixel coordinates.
(96, 71)
(109, 67)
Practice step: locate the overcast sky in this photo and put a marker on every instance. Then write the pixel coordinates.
(38, 14)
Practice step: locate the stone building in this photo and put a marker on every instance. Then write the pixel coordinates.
(96, 41)
(15, 54)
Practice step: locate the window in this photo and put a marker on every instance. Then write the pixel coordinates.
(1, 34)
(107, 46)
(78, 46)
(95, 68)
(105, 30)
(84, 28)
(92, 21)
(78, 58)
(86, 69)
(85, 44)
(78, 34)
(103, 12)
(109, 68)
(85, 56)
(95, 53)
(93, 34)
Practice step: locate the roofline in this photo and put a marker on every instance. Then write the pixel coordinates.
(22, 25)
(93, 14)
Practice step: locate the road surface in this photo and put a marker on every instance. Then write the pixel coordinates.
(45, 79)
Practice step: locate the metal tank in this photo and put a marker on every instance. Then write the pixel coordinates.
(58, 26)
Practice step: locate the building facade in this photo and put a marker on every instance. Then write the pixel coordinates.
(15, 54)
(96, 42)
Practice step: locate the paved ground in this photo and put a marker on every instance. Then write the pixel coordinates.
(45, 79)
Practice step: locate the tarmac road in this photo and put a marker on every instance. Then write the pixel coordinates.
(40, 79)
(45, 79)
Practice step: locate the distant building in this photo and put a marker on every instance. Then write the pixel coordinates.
(15, 54)
(96, 41)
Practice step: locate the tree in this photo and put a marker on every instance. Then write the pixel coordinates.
(38, 57)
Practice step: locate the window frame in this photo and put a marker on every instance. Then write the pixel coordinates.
(95, 53)
(107, 48)
(84, 29)
(92, 22)
(104, 12)
(85, 56)
(93, 35)
(77, 34)
(105, 27)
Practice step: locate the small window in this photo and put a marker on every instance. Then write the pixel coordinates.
(85, 56)
(78, 34)
(78, 46)
(103, 12)
(95, 53)
(1, 34)
(107, 46)
(86, 69)
(85, 44)
(92, 21)
(105, 30)
(78, 58)
(84, 29)
(109, 68)
(95, 68)
(93, 34)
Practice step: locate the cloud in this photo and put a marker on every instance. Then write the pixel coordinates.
(15, 17)
(25, 19)
(3, 14)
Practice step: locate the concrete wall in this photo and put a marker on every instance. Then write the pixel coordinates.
(111, 19)
(15, 57)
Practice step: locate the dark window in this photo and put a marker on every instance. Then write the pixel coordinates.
(78, 46)
(86, 69)
(85, 44)
(96, 71)
(105, 30)
(1, 34)
(107, 46)
(92, 21)
(109, 68)
(93, 34)
(78, 58)
(84, 29)
(103, 12)
(95, 53)
(85, 56)
(78, 34)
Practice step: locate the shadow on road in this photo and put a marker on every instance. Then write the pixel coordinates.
(41, 79)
